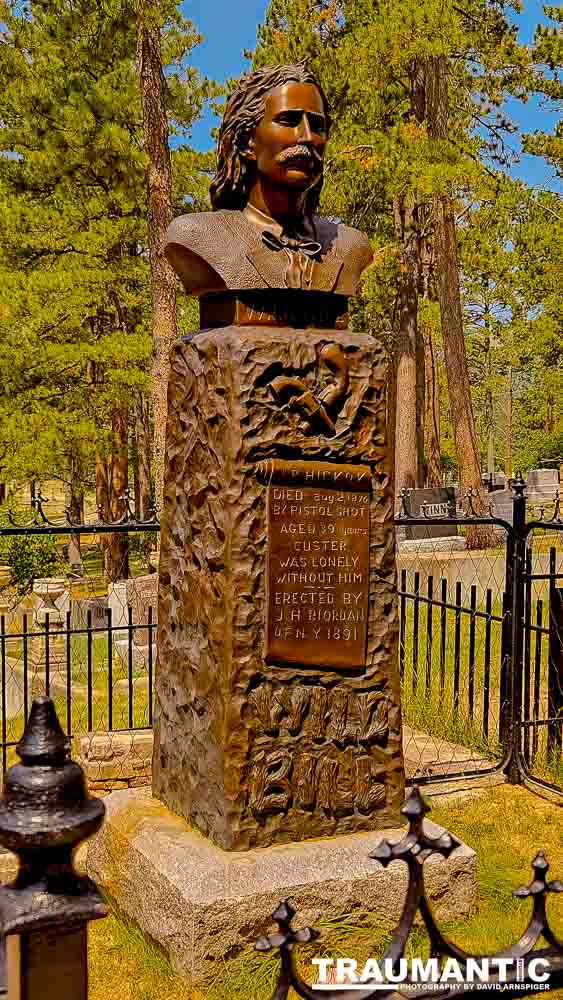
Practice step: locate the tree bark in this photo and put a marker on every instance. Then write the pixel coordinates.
(102, 486)
(76, 515)
(117, 544)
(159, 182)
(431, 414)
(142, 458)
(420, 408)
(508, 428)
(417, 83)
(449, 297)
(490, 436)
(406, 453)
(391, 413)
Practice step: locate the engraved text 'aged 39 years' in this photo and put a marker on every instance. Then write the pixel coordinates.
(318, 566)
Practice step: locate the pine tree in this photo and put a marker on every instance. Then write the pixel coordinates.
(75, 322)
(403, 161)
(182, 98)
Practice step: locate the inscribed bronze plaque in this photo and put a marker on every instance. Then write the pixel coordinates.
(318, 566)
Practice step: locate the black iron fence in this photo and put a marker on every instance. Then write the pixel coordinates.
(481, 652)
(480, 649)
(512, 968)
(77, 622)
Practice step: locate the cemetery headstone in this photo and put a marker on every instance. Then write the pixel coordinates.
(139, 594)
(431, 503)
(542, 483)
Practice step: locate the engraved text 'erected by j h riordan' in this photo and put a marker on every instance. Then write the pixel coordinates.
(318, 564)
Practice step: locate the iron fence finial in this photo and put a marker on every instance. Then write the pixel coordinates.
(413, 849)
(45, 813)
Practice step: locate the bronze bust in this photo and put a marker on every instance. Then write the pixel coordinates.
(262, 233)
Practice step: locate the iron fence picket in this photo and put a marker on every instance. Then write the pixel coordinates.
(537, 673)
(487, 662)
(68, 675)
(527, 649)
(130, 665)
(429, 631)
(110, 668)
(457, 644)
(89, 668)
(25, 669)
(555, 667)
(402, 623)
(443, 640)
(150, 631)
(471, 660)
(416, 614)
(505, 665)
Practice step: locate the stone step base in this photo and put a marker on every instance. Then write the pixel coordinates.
(202, 904)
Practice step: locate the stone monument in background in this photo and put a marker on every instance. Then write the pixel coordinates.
(277, 693)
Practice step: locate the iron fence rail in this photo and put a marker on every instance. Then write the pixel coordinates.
(40, 679)
(489, 658)
(410, 601)
(525, 685)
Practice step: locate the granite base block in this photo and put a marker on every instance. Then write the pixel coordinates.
(204, 905)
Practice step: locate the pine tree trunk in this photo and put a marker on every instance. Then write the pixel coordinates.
(431, 414)
(163, 280)
(391, 416)
(508, 429)
(417, 83)
(142, 459)
(447, 284)
(420, 410)
(117, 544)
(102, 487)
(75, 515)
(406, 454)
(490, 437)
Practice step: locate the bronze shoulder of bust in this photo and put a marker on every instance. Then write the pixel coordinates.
(263, 235)
(222, 250)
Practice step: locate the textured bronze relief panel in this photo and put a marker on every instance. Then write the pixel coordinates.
(318, 566)
(250, 752)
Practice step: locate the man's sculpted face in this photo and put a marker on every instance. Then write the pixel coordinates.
(289, 143)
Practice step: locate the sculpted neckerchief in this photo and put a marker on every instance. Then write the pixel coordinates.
(301, 250)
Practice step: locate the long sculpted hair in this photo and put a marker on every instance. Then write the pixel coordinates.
(244, 111)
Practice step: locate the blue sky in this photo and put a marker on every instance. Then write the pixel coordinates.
(229, 27)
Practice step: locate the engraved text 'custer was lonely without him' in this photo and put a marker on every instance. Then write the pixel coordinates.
(318, 566)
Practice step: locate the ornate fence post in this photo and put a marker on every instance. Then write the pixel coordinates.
(555, 669)
(45, 812)
(513, 635)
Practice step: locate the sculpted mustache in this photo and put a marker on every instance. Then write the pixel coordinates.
(298, 153)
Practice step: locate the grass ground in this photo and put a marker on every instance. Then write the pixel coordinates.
(505, 825)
